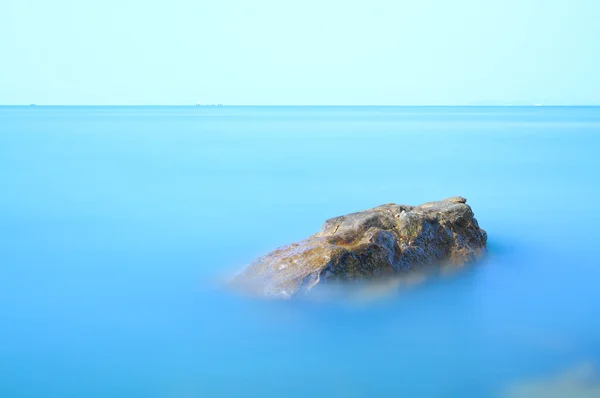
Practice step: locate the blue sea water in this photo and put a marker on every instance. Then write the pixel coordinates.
(119, 224)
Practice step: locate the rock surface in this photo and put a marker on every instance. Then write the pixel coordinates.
(381, 242)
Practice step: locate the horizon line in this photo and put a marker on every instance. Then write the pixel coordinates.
(304, 105)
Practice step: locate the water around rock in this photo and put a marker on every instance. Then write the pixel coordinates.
(385, 241)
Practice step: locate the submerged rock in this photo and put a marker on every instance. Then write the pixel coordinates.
(386, 241)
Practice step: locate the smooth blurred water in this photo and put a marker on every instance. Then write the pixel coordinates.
(117, 225)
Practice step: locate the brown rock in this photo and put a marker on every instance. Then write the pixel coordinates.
(382, 242)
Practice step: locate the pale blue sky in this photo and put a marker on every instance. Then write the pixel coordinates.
(299, 52)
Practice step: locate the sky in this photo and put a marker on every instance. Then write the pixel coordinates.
(308, 52)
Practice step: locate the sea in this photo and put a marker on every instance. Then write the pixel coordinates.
(120, 226)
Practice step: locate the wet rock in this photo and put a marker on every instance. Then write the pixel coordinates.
(386, 241)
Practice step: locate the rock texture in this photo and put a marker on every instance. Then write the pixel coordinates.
(381, 242)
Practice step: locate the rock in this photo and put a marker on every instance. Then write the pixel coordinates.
(386, 241)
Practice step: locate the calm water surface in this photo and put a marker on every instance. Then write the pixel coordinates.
(117, 225)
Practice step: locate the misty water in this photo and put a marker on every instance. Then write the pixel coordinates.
(118, 226)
